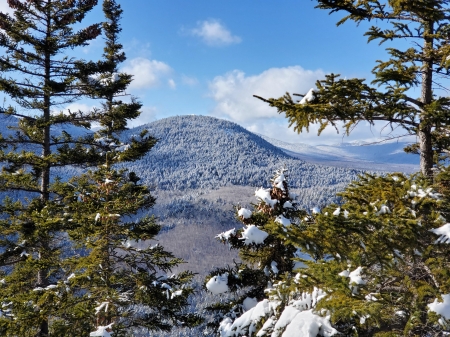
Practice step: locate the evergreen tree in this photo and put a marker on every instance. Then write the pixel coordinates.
(387, 98)
(266, 257)
(374, 265)
(35, 225)
(118, 282)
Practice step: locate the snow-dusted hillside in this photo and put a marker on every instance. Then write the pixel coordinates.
(383, 156)
(205, 152)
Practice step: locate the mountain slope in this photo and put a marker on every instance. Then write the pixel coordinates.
(383, 156)
(205, 152)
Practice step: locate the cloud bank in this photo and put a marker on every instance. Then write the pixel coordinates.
(233, 92)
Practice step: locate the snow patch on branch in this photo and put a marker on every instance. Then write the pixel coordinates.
(245, 213)
(253, 234)
(264, 195)
(443, 232)
(218, 284)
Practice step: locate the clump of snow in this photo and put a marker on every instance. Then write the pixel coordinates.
(226, 235)
(102, 306)
(278, 181)
(218, 284)
(355, 278)
(308, 300)
(253, 234)
(441, 308)
(444, 232)
(282, 220)
(288, 204)
(308, 97)
(264, 195)
(249, 303)
(245, 213)
(247, 322)
(102, 331)
(303, 323)
(383, 210)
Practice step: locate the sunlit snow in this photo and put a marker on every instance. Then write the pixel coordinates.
(253, 234)
(443, 232)
(218, 284)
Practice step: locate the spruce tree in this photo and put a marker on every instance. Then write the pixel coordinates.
(35, 225)
(374, 265)
(266, 257)
(424, 61)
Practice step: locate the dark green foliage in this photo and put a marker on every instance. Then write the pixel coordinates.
(57, 259)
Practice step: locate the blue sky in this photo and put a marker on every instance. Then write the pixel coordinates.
(208, 57)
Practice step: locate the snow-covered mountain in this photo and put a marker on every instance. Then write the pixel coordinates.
(204, 152)
(388, 156)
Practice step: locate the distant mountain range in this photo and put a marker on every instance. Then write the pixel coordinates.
(386, 156)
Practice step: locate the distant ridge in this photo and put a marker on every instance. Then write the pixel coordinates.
(205, 152)
(386, 156)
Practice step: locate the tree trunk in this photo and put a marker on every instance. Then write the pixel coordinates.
(424, 132)
(42, 278)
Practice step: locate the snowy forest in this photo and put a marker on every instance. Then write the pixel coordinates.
(194, 226)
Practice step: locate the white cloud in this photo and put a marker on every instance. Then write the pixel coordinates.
(234, 91)
(146, 73)
(213, 33)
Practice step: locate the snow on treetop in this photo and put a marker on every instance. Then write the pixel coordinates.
(444, 232)
(253, 234)
(245, 213)
(441, 308)
(278, 181)
(264, 195)
(218, 284)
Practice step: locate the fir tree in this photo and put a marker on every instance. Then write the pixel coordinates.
(266, 257)
(34, 225)
(118, 282)
(387, 98)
